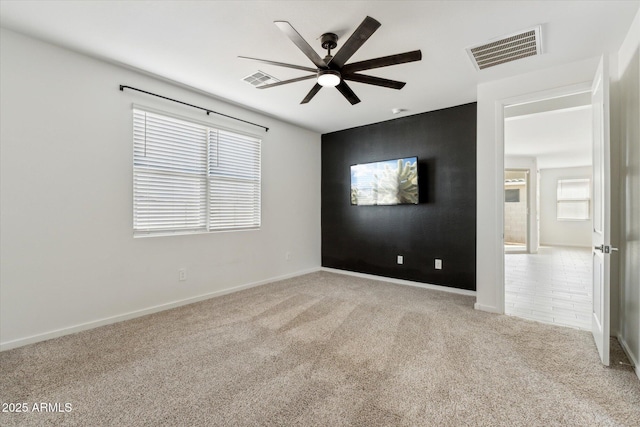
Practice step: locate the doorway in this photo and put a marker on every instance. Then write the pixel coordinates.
(547, 143)
(516, 210)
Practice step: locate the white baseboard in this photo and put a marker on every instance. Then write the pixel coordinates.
(567, 245)
(487, 308)
(401, 281)
(8, 345)
(629, 354)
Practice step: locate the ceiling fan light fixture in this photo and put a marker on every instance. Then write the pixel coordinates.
(329, 78)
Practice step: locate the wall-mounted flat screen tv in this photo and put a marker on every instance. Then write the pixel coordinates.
(389, 182)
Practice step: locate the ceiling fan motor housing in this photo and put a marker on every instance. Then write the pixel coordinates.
(329, 41)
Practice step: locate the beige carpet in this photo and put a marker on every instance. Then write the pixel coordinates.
(322, 349)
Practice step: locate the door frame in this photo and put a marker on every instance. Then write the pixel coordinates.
(500, 162)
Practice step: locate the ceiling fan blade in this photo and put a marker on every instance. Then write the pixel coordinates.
(384, 61)
(280, 64)
(302, 44)
(348, 93)
(311, 93)
(377, 81)
(284, 82)
(357, 39)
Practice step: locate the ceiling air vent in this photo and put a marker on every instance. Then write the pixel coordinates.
(260, 78)
(506, 49)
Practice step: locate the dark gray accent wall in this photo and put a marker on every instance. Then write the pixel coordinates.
(368, 239)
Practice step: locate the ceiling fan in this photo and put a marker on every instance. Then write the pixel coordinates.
(332, 71)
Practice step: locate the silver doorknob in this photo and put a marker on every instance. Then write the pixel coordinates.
(605, 248)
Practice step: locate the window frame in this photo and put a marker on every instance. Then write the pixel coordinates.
(570, 200)
(209, 128)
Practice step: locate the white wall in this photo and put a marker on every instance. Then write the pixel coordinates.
(628, 90)
(490, 164)
(530, 164)
(68, 257)
(552, 231)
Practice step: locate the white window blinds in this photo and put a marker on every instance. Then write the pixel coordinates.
(574, 199)
(188, 177)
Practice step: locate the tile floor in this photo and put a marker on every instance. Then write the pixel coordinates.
(552, 286)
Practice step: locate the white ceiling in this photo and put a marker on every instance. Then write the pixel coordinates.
(558, 138)
(196, 43)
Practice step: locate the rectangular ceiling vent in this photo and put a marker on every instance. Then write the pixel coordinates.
(260, 78)
(506, 49)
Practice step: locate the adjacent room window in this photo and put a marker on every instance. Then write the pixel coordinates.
(574, 199)
(190, 178)
(512, 195)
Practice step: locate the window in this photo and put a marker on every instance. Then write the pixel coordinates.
(190, 178)
(512, 195)
(574, 199)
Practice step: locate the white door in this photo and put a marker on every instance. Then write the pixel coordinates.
(601, 210)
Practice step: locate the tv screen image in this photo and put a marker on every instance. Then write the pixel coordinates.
(389, 182)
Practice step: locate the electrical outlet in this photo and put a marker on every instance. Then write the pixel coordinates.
(400, 259)
(438, 264)
(182, 274)
(287, 256)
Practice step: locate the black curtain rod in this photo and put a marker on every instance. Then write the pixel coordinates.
(123, 87)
